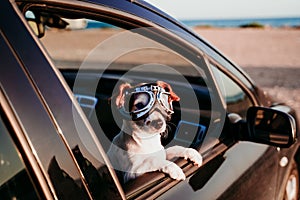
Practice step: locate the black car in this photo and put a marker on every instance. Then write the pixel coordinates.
(62, 62)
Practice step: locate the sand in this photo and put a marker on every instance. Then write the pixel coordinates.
(257, 47)
(270, 56)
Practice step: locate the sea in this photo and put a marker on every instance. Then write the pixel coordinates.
(271, 22)
(223, 23)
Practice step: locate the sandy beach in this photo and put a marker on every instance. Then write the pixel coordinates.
(271, 56)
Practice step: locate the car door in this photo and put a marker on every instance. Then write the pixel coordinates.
(57, 160)
(201, 123)
(189, 81)
(245, 170)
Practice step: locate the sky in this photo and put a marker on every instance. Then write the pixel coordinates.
(221, 9)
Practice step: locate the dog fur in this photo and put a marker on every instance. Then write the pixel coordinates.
(137, 149)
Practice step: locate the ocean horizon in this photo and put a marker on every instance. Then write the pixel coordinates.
(224, 23)
(271, 22)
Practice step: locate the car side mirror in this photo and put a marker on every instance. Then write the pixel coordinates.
(272, 127)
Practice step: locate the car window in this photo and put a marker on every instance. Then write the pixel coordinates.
(105, 56)
(236, 99)
(15, 182)
(96, 58)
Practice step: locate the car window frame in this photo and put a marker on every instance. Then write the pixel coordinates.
(234, 74)
(217, 148)
(230, 76)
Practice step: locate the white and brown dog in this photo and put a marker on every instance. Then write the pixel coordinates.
(137, 149)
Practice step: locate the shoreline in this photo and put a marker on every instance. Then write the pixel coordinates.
(291, 21)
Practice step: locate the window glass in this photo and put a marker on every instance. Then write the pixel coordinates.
(14, 179)
(225, 63)
(96, 58)
(105, 57)
(236, 99)
(91, 45)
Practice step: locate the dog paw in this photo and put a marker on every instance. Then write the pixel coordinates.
(194, 156)
(174, 171)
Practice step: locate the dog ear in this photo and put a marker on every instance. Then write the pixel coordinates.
(120, 99)
(167, 87)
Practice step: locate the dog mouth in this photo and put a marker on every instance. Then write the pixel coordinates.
(157, 124)
(154, 124)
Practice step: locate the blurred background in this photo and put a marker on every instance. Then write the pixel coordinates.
(262, 37)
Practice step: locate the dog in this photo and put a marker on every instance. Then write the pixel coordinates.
(137, 149)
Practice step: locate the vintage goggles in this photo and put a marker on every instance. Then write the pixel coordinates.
(140, 100)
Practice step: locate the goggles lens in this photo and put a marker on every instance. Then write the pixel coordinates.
(163, 98)
(139, 101)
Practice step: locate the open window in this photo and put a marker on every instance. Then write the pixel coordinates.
(96, 52)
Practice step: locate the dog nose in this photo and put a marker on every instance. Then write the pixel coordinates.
(155, 123)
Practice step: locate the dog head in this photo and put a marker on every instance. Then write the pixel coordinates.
(146, 107)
